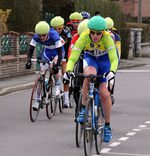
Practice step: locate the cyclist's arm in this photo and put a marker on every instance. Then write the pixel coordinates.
(118, 45)
(59, 51)
(112, 53)
(30, 52)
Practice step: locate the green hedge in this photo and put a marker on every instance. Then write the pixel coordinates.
(125, 42)
(145, 27)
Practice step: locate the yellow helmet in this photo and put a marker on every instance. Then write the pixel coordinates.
(76, 16)
(42, 28)
(57, 21)
(83, 26)
(110, 23)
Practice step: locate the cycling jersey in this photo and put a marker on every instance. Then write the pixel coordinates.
(51, 44)
(105, 47)
(73, 41)
(73, 31)
(65, 34)
(117, 41)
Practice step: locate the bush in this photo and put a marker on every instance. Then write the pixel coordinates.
(145, 27)
(125, 40)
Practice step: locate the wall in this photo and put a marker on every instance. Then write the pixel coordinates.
(14, 64)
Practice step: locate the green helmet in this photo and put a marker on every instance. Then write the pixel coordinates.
(83, 26)
(76, 16)
(42, 28)
(110, 23)
(57, 21)
(97, 23)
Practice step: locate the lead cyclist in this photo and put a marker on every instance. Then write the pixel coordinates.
(100, 57)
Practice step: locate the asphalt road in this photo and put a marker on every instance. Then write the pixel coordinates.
(55, 137)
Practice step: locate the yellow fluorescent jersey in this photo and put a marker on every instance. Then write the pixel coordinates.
(105, 46)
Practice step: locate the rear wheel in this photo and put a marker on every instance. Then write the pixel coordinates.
(99, 130)
(35, 98)
(79, 126)
(88, 129)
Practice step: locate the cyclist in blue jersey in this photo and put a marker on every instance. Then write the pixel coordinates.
(53, 49)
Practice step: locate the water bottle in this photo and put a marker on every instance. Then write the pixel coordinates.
(95, 110)
(46, 84)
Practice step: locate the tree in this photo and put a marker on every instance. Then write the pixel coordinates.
(24, 14)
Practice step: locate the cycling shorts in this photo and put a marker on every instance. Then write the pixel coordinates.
(50, 54)
(101, 64)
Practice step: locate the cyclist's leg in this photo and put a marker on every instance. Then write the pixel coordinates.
(66, 86)
(104, 66)
(90, 67)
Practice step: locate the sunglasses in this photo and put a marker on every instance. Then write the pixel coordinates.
(58, 28)
(75, 22)
(96, 32)
(42, 35)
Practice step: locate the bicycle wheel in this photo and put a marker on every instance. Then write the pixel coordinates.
(61, 102)
(79, 125)
(99, 130)
(49, 109)
(33, 100)
(88, 129)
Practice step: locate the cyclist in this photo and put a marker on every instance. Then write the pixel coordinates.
(100, 58)
(85, 15)
(58, 24)
(75, 19)
(53, 50)
(110, 28)
(79, 65)
(113, 31)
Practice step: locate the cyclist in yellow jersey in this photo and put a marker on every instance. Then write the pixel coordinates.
(100, 58)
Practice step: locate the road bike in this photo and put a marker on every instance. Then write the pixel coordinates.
(93, 126)
(42, 93)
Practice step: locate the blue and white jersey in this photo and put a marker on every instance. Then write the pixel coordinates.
(53, 40)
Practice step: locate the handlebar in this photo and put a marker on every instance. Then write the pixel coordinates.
(91, 76)
(42, 61)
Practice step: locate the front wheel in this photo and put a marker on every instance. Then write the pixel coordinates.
(99, 130)
(49, 108)
(35, 99)
(88, 129)
(61, 102)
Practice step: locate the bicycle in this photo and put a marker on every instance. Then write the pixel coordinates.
(93, 125)
(42, 93)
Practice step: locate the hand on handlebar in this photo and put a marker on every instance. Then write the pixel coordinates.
(66, 77)
(55, 68)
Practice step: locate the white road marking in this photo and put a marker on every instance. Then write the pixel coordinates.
(114, 144)
(130, 154)
(135, 71)
(147, 122)
(142, 126)
(123, 138)
(105, 150)
(131, 133)
(137, 130)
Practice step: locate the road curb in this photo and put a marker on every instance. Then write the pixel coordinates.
(9, 90)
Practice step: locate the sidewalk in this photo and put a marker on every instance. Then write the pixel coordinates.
(9, 85)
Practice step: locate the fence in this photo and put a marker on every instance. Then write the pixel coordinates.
(13, 54)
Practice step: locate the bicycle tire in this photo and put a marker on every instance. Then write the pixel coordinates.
(88, 128)
(61, 102)
(34, 114)
(49, 109)
(79, 125)
(99, 133)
